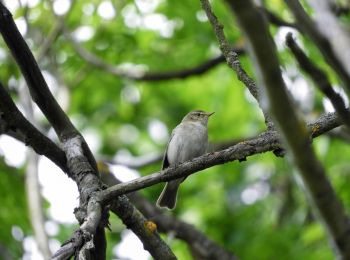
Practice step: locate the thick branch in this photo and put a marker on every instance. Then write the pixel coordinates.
(21, 127)
(203, 247)
(81, 243)
(142, 227)
(309, 28)
(31, 72)
(291, 126)
(320, 78)
(267, 141)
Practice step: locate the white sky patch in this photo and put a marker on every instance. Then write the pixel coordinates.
(106, 10)
(84, 33)
(160, 23)
(54, 245)
(51, 81)
(123, 173)
(12, 5)
(259, 171)
(17, 233)
(249, 196)
(158, 131)
(299, 88)
(88, 9)
(31, 250)
(328, 107)
(201, 16)
(13, 151)
(29, 3)
(61, 7)
(51, 228)
(131, 18)
(136, 70)
(255, 192)
(92, 138)
(131, 94)
(128, 134)
(151, 21)
(280, 36)
(2, 54)
(59, 190)
(147, 6)
(130, 248)
(21, 25)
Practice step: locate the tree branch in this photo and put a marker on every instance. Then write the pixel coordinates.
(80, 160)
(34, 197)
(320, 78)
(233, 61)
(276, 20)
(31, 72)
(291, 126)
(267, 141)
(20, 127)
(322, 43)
(143, 76)
(200, 245)
(333, 30)
(143, 228)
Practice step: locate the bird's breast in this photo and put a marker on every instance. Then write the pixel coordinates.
(189, 140)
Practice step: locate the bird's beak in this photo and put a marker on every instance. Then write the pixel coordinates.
(209, 114)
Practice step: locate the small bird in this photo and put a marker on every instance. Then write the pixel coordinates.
(188, 140)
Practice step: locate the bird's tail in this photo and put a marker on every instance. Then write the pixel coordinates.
(167, 199)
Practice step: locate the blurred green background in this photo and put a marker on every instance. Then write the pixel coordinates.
(256, 208)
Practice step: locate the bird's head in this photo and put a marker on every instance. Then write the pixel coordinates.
(198, 116)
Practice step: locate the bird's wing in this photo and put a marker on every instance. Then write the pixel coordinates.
(165, 157)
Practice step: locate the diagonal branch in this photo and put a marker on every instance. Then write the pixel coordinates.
(291, 126)
(308, 27)
(143, 228)
(17, 124)
(31, 72)
(267, 141)
(320, 78)
(233, 61)
(80, 160)
(276, 20)
(203, 247)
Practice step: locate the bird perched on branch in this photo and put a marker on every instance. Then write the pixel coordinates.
(188, 140)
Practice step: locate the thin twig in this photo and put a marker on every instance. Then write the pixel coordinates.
(142, 75)
(233, 61)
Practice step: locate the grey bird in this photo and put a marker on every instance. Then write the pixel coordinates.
(188, 140)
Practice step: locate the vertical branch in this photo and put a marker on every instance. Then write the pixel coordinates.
(34, 199)
(291, 126)
(37, 216)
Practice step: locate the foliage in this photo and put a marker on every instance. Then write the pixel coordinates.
(239, 205)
